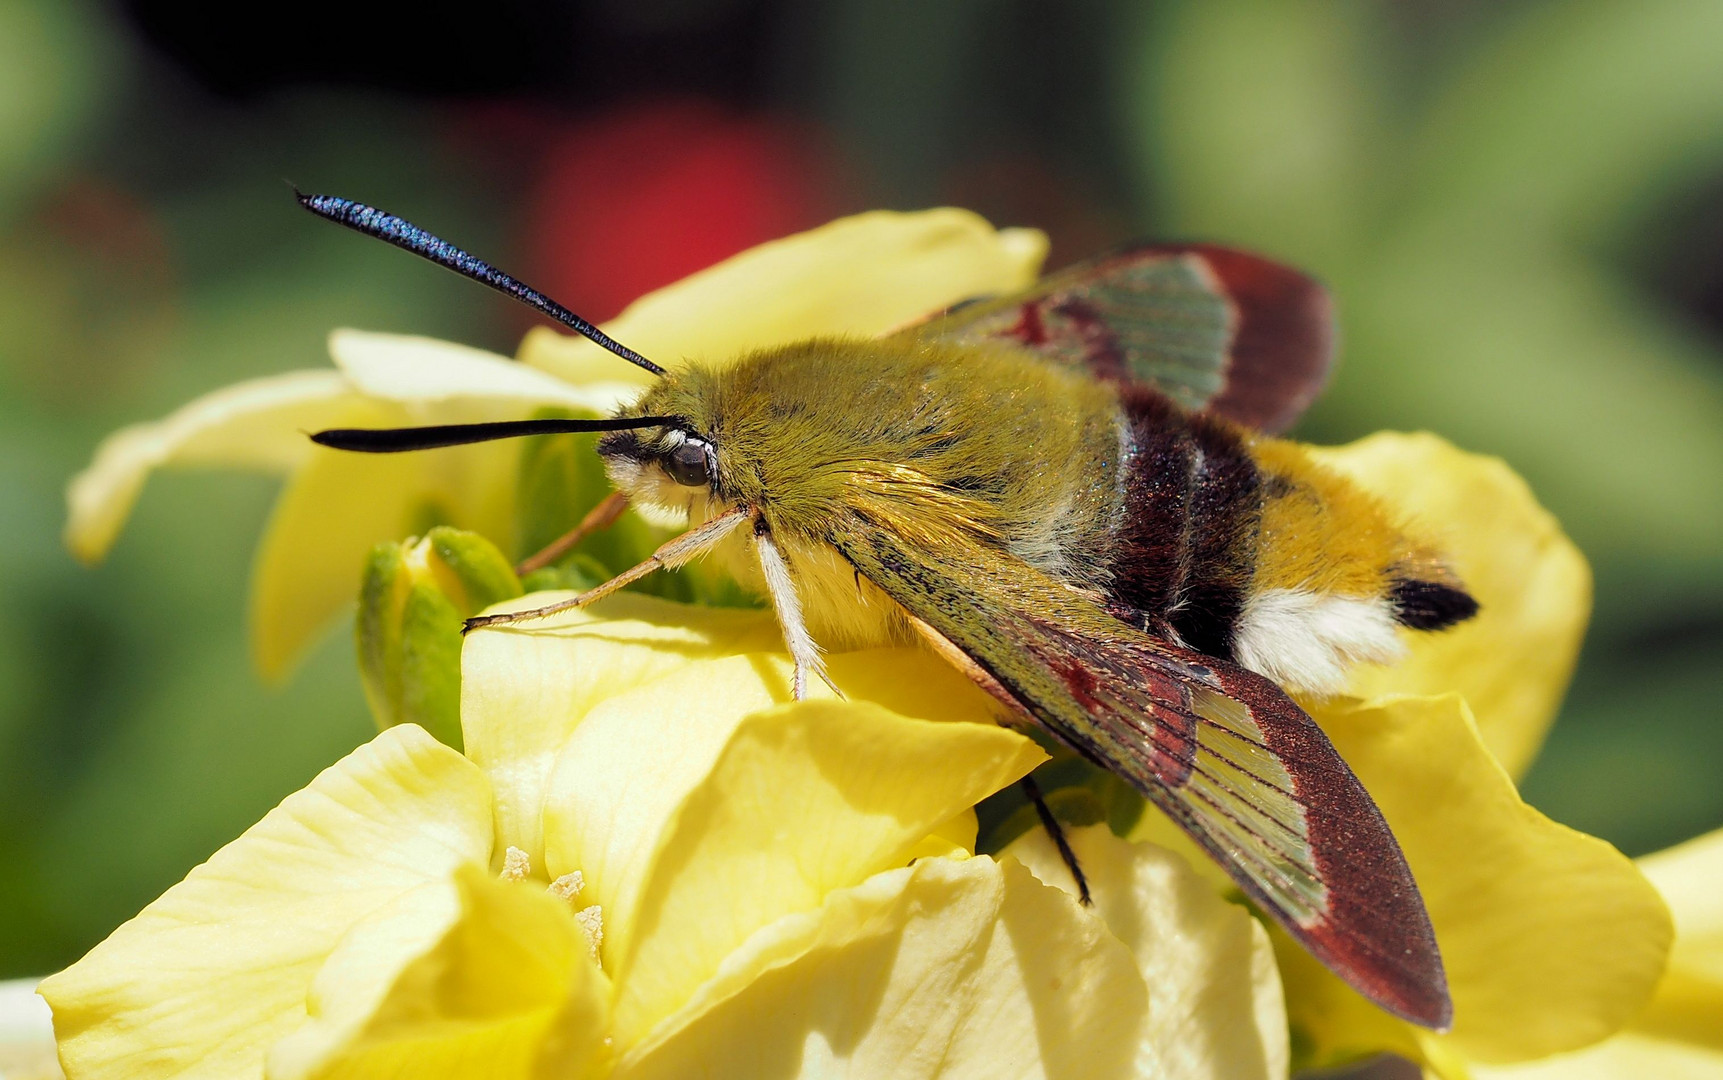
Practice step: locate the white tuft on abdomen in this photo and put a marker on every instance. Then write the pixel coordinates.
(1308, 641)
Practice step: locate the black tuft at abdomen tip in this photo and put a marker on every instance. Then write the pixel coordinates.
(1430, 605)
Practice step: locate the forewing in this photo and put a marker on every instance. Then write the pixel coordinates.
(1221, 750)
(1212, 328)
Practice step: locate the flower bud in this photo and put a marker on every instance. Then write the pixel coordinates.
(411, 602)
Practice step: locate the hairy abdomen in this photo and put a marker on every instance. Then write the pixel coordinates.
(1243, 548)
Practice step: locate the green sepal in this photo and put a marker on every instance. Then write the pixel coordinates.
(412, 599)
(427, 676)
(473, 573)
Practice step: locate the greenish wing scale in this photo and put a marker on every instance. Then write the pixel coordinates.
(1211, 328)
(1221, 751)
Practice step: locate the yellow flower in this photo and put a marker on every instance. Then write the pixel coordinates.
(763, 889)
(861, 275)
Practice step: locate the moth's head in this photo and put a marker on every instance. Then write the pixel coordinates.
(769, 430)
(675, 472)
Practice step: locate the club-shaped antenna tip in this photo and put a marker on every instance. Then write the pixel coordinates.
(384, 226)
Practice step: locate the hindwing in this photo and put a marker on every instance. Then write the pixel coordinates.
(1222, 751)
(1212, 328)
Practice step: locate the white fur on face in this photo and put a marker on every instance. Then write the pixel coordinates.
(1307, 641)
(654, 496)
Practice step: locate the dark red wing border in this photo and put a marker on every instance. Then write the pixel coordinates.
(1388, 950)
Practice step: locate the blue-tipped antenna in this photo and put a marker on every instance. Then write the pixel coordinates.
(404, 234)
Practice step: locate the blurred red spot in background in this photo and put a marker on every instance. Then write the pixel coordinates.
(647, 194)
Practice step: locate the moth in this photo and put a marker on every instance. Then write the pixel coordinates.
(1075, 496)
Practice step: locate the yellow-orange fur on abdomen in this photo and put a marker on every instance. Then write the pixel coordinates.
(1328, 560)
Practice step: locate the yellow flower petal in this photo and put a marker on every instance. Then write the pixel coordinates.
(803, 799)
(364, 965)
(860, 276)
(401, 368)
(1552, 939)
(258, 424)
(1628, 1056)
(508, 990)
(338, 506)
(1215, 1004)
(625, 773)
(524, 691)
(1513, 661)
(1679, 1036)
(1690, 877)
(954, 838)
(947, 969)
(205, 979)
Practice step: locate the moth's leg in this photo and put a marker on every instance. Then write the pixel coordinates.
(602, 516)
(776, 570)
(1057, 832)
(673, 553)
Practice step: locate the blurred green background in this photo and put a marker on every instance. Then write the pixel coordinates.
(1519, 206)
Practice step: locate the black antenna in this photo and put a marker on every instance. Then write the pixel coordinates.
(404, 234)
(397, 440)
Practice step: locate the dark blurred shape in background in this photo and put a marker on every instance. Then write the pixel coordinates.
(1519, 206)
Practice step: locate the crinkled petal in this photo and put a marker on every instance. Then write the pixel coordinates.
(803, 799)
(205, 979)
(1216, 1009)
(408, 370)
(524, 690)
(948, 969)
(858, 276)
(258, 424)
(507, 989)
(1552, 939)
(1512, 662)
(339, 505)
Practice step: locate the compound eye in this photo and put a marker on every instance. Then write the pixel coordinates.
(687, 464)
